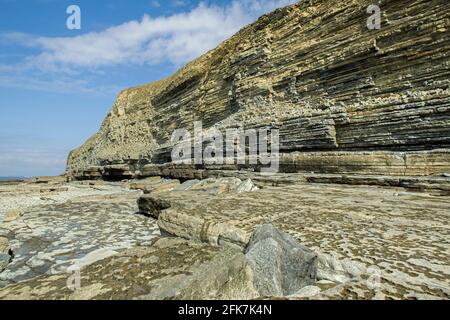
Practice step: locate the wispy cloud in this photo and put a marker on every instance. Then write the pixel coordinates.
(174, 39)
(27, 162)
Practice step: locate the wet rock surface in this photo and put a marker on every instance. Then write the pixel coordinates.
(393, 234)
(169, 269)
(49, 239)
(354, 242)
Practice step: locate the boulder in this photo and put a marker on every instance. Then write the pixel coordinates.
(246, 186)
(217, 186)
(152, 206)
(281, 265)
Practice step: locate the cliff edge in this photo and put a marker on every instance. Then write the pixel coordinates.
(346, 99)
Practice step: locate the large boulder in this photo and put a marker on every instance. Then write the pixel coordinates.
(281, 265)
(152, 205)
(351, 91)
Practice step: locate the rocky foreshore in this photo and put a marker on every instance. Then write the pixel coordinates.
(222, 238)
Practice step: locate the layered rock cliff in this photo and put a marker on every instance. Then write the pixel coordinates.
(346, 99)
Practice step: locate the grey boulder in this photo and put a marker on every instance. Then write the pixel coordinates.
(281, 266)
(152, 205)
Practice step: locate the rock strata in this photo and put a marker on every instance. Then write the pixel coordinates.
(346, 99)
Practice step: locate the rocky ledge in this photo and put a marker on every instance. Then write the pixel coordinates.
(345, 99)
(223, 238)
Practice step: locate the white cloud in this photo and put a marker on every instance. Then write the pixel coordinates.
(60, 84)
(155, 4)
(176, 39)
(30, 162)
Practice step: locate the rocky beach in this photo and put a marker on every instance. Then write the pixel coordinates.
(358, 206)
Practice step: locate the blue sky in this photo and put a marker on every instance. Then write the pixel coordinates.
(57, 85)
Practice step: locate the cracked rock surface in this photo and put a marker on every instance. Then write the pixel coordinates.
(50, 238)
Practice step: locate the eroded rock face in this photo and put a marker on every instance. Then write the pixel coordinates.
(345, 98)
(281, 265)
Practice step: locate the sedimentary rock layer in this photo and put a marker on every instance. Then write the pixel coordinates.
(346, 99)
(402, 234)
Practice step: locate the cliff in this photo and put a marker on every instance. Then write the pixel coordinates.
(346, 99)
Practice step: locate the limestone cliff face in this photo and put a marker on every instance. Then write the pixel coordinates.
(345, 98)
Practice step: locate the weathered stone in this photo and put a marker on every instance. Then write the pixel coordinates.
(48, 180)
(280, 264)
(169, 269)
(185, 186)
(217, 186)
(352, 228)
(55, 189)
(306, 292)
(353, 106)
(246, 186)
(4, 245)
(145, 183)
(78, 228)
(220, 185)
(12, 215)
(163, 186)
(5, 258)
(152, 205)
